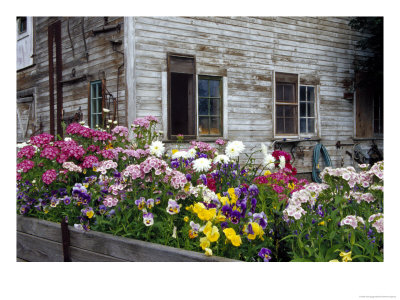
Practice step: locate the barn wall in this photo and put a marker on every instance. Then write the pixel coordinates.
(248, 51)
(102, 62)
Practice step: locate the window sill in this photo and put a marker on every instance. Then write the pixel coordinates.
(198, 139)
(295, 140)
(380, 138)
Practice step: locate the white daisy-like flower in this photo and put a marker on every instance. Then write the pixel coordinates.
(221, 159)
(191, 153)
(201, 164)
(106, 110)
(269, 161)
(234, 148)
(282, 162)
(179, 154)
(157, 148)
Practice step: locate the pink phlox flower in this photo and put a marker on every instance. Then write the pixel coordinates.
(27, 152)
(49, 176)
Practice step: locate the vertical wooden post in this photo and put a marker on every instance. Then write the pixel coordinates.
(57, 37)
(65, 240)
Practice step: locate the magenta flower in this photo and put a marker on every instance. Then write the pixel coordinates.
(89, 161)
(49, 176)
(27, 151)
(25, 165)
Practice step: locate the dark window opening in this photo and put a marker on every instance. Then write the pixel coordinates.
(181, 94)
(378, 115)
(96, 104)
(22, 24)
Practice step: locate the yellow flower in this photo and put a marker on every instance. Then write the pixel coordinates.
(198, 207)
(207, 214)
(236, 240)
(84, 171)
(46, 210)
(229, 232)
(186, 219)
(86, 185)
(334, 260)
(321, 223)
(268, 172)
(220, 217)
(224, 200)
(189, 208)
(187, 186)
(207, 228)
(219, 196)
(109, 146)
(346, 256)
(174, 151)
(193, 234)
(204, 243)
(231, 192)
(213, 235)
(208, 252)
(94, 169)
(90, 214)
(291, 186)
(256, 229)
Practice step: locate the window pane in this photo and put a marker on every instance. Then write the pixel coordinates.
(204, 127)
(310, 109)
(215, 107)
(203, 88)
(214, 88)
(303, 93)
(311, 125)
(289, 93)
(279, 111)
(303, 112)
(203, 106)
(290, 125)
(290, 111)
(303, 123)
(280, 125)
(215, 126)
(310, 93)
(279, 92)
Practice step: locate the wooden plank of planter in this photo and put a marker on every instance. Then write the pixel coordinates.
(94, 246)
(36, 249)
(135, 250)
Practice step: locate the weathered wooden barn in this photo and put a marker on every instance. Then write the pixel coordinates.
(283, 80)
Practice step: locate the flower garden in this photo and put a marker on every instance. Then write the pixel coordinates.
(203, 198)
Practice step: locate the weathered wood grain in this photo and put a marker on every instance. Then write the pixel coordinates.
(40, 240)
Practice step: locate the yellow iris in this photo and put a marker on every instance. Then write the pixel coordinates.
(346, 256)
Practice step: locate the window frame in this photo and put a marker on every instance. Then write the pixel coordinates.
(298, 134)
(90, 113)
(169, 134)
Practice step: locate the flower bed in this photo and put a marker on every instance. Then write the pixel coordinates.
(202, 199)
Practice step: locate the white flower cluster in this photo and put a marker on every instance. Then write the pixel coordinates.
(191, 153)
(234, 148)
(204, 192)
(201, 164)
(157, 148)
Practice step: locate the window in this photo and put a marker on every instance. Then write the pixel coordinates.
(181, 96)
(368, 109)
(307, 109)
(25, 42)
(210, 106)
(286, 104)
(295, 114)
(22, 24)
(96, 103)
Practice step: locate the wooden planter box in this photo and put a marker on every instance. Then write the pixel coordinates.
(41, 241)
